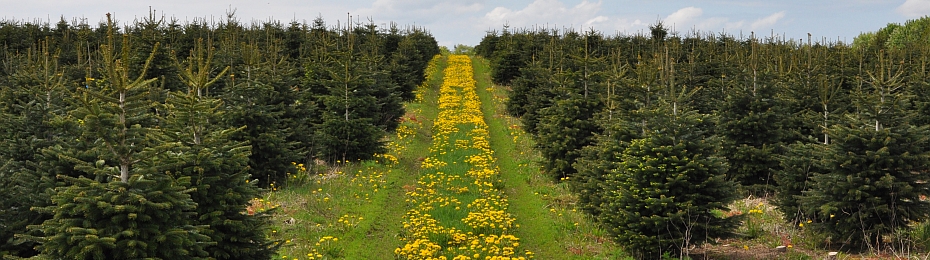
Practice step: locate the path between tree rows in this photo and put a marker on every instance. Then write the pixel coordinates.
(466, 187)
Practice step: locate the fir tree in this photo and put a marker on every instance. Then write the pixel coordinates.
(260, 97)
(350, 127)
(563, 131)
(29, 104)
(750, 125)
(122, 206)
(569, 124)
(800, 162)
(217, 165)
(529, 94)
(873, 184)
(508, 62)
(661, 197)
(407, 67)
(596, 163)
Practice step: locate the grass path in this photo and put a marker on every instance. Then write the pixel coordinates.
(458, 210)
(551, 226)
(353, 210)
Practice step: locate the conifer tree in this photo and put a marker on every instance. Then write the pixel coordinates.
(873, 184)
(349, 129)
(406, 63)
(508, 60)
(122, 206)
(217, 164)
(811, 116)
(564, 129)
(800, 162)
(388, 94)
(149, 35)
(598, 159)
(260, 97)
(569, 124)
(530, 93)
(29, 104)
(661, 197)
(596, 163)
(750, 124)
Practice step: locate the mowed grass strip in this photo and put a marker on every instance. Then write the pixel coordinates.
(551, 226)
(353, 210)
(457, 209)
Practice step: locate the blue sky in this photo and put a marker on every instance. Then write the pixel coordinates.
(466, 21)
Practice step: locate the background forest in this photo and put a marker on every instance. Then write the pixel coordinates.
(148, 139)
(658, 133)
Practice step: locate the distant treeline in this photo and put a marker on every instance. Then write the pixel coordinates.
(658, 132)
(148, 140)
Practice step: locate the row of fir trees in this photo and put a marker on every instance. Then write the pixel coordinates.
(149, 140)
(657, 133)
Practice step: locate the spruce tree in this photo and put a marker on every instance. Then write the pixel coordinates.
(217, 164)
(259, 96)
(122, 206)
(596, 163)
(529, 94)
(350, 128)
(662, 196)
(750, 124)
(873, 184)
(27, 108)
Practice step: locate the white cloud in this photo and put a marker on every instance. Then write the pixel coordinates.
(543, 12)
(914, 8)
(767, 22)
(692, 18)
(596, 20)
(683, 16)
(419, 11)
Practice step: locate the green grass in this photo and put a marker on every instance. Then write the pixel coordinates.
(550, 225)
(359, 204)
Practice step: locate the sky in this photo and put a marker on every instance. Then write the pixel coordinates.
(467, 21)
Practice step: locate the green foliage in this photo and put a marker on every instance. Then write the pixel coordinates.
(262, 101)
(146, 217)
(749, 122)
(407, 68)
(873, 186)
(27, 108)
(911, 34)
(121, 206)
(564, 129)
(595, 164)
(218, 165)
(529, 94)
(662, 196)
(799, 163)
(205, 133)
(507, 66)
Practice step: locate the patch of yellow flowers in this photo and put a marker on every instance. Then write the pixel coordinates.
(457, 212)
(431, 67)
